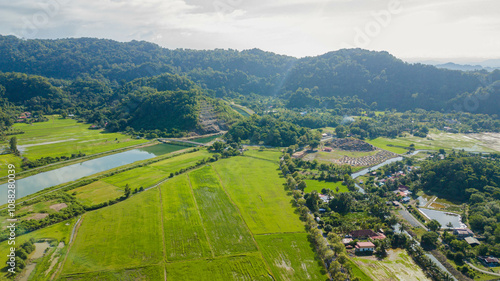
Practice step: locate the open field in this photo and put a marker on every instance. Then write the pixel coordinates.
(240, 267)
(226, 229)
(59, 137)
(185, 237)
(291, 257)
(96, 193)
(56, 233)
(266, 154)
(154, 272)
(484, 142)
(135, 178)
(194, 226)
(257, 189)
(174, 164)
(319, 185)
(120, 236)
(397, 266)
(357, 272)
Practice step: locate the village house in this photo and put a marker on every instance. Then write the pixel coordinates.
(366, 234)
(488, 261)
(327, 149)
(299, 154)
(462, 233)
(365, 247)
(472, 241)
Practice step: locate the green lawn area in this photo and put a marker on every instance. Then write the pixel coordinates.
(266, 154)
(155, 272)
(319, 185)
(143, 176)
(356, 272)
(96, 193)
(240, 267)
(257, 189)
(120, 236)
(436, 140)
(62, 137)
(291, 257)
(71, 137)
(174, 164)
(185, 237)
(397, 266)
(225, 228)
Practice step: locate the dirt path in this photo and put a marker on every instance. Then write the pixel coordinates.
(481, 270)
(74, 231)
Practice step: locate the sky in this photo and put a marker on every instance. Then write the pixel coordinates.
(415, 30)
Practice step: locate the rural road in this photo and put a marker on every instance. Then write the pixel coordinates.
(411, 219)
(481, 270)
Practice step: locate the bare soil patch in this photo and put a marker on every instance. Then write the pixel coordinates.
(58, 207)
(36, 216)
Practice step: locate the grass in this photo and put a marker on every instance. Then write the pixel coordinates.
(265, 154)
(135, 178)
(357, 272)
(319, 185)
(226, 229)
(96, 193)
(142, 273)
(291, 256)
(436, 140)
(241, 267)
(57, 233)
(258, 191)
(120, 236)
(174, 164)
(185, 236)
(397, 266)
(70, 137)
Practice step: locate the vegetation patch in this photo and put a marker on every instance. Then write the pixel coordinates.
(257, 189)
(291, 256)
(185, 237)
(124, 235)
(226, 229)
(240, 267)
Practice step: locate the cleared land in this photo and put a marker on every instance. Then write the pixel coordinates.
(96, 192)
(484, 142)
(194, 226)
(397, 266)
(241, 267)
(120, 236)
(63, 137)
(142, 273)
(225, 228)
(257, 189)
(319, 185)
(291, 257)
(185, 237)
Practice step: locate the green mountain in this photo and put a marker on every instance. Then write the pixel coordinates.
(372, 77)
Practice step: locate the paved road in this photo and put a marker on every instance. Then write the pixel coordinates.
(411, 219)
(481, 270)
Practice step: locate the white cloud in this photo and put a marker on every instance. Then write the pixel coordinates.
(423, 28)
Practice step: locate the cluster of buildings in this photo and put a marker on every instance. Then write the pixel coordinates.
(363, 246)
(23, 117)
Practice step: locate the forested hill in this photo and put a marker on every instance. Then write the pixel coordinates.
(371, 76)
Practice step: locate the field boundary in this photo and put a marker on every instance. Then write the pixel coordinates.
(162, 225)
(74, 233)
(244, 221)
(199, 214)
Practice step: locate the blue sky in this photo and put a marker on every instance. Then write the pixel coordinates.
(411, 29)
